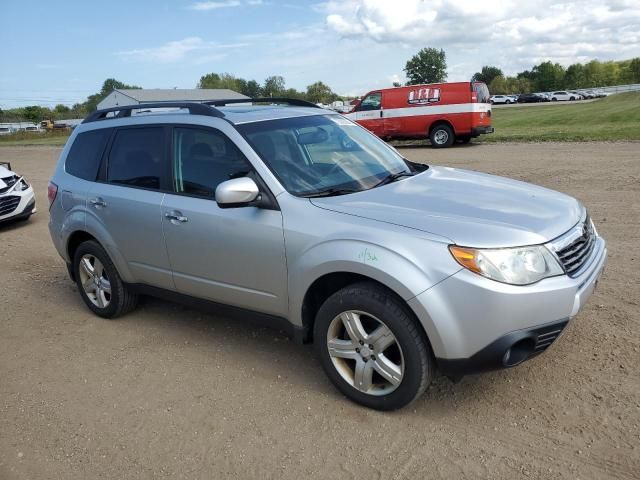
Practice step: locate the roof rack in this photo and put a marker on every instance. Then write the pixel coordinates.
(124, 111)
(289, 101)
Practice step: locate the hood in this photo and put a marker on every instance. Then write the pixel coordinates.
(4, 172)
(468, 208)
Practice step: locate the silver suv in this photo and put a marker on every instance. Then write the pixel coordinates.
(395, 270)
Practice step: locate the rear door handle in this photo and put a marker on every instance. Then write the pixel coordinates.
(98, 202)
(175, 217)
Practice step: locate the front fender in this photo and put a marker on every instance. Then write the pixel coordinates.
(402, 275)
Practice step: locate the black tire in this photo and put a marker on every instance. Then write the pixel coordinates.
(122, 300)
(441, 132)
(419, 364)
(554, 99)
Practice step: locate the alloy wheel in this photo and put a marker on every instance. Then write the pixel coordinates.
(365, 352)
(94, 280)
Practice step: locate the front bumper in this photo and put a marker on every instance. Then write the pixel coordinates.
(15, 205)
(472, 321)
(477, 131)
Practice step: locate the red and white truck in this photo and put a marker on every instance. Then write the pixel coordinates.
(442, 112)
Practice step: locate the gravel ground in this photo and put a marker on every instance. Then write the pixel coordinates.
(172, 392)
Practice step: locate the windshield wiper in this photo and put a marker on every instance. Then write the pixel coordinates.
(330, 192)
(392, 177)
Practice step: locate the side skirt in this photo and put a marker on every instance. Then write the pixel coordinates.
(295, 332)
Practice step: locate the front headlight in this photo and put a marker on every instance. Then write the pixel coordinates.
(516, 266)
(20, 185)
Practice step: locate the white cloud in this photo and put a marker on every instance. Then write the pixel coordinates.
(508, 33)
(214, 5)
(178, 50)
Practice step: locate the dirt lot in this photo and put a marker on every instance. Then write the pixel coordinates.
(173, 392)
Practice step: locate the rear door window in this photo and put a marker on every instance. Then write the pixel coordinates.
(137, 158)
(83, 160)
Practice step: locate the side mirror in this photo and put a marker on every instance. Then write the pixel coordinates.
(238, 192)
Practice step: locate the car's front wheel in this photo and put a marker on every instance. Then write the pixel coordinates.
(371, 347)
(99, 283)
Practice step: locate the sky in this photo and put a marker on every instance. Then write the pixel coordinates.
(61, 52)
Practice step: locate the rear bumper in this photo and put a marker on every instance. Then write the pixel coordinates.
(477, 131)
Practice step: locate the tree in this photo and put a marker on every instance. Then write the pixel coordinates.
(273, 86)
(429, 65)
(210, 80)
(61, 109)
(498, 86)
(397, 84)
(574, 77)
(633, 70)
(487, 74)
(319, 92)
(548, 76)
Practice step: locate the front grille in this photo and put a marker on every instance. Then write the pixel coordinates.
(9, 181)
(573, 256)
(8, 204)
(547, 335)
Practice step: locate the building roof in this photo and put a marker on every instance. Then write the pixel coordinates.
(144, 95)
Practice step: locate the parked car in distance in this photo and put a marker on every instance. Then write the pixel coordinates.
(530, 98)
(545, 96)
(498, 99)
(578, 95)
(562, 95)
(17, 199)
(6, 130)
(588, 94)
(305, 219)
(514, 98)
(442, 112)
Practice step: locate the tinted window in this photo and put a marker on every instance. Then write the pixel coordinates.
(84, 157)
(203, 159)
(371, 102)
(137, 157)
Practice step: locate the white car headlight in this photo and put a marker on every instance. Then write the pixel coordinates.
(516, 266)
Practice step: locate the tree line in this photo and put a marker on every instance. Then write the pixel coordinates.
(548, 76)
(429, 65)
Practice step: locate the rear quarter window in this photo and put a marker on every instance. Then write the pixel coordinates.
(83, 160)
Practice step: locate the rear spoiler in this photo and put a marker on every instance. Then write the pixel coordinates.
(7, 165)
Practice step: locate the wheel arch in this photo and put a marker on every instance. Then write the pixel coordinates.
(439, 122)
(328, 284)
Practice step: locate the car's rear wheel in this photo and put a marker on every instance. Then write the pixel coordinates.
(371, 347)
(99, 283)
(441, 136)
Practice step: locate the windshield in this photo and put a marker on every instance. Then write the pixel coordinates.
(323, 153)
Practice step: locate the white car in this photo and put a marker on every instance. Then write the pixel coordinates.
(496, 99)
(6, 130)
(17, 200)
(564, 95)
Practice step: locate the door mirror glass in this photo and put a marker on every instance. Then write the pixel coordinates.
(239, 192)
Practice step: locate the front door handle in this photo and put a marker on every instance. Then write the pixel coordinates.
(175, 217)
(98, 202)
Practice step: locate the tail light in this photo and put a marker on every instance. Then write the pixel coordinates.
(52, 192)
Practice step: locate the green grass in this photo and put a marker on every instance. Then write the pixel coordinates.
(608, 119)
(31, 138)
